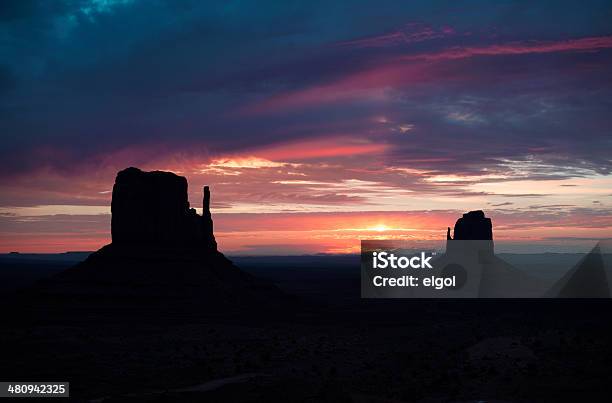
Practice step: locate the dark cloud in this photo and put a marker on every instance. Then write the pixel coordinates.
(82, 80)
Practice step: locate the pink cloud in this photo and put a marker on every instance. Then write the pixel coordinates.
(334, 146)
(373, 84)
(369, 85)
(518, 48)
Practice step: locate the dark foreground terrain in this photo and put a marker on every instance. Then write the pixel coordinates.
(331, 346)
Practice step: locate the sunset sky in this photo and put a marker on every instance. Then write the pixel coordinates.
(316, 124)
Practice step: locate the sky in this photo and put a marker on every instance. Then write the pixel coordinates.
(315, 123)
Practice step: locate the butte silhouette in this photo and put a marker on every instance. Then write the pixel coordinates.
(160, 248)
(589, 278)
(470, 254)
(469, 258)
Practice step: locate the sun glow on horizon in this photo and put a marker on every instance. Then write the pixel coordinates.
(379, 228)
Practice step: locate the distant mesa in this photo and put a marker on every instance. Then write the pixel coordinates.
(474, 231)
(591, 277)
(470, 258)
(160, 247)
(472, 246)
(152, 208)
(470, 254)
(472, 226)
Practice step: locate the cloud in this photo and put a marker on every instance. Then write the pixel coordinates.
(519, 48)
(502, 204)
(411, 33)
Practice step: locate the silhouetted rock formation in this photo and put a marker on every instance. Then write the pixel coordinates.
(470, 255)
(160, 248)
(475, 228)
(472, 226)
(152, 208)
(589, 278)
(207, 224)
